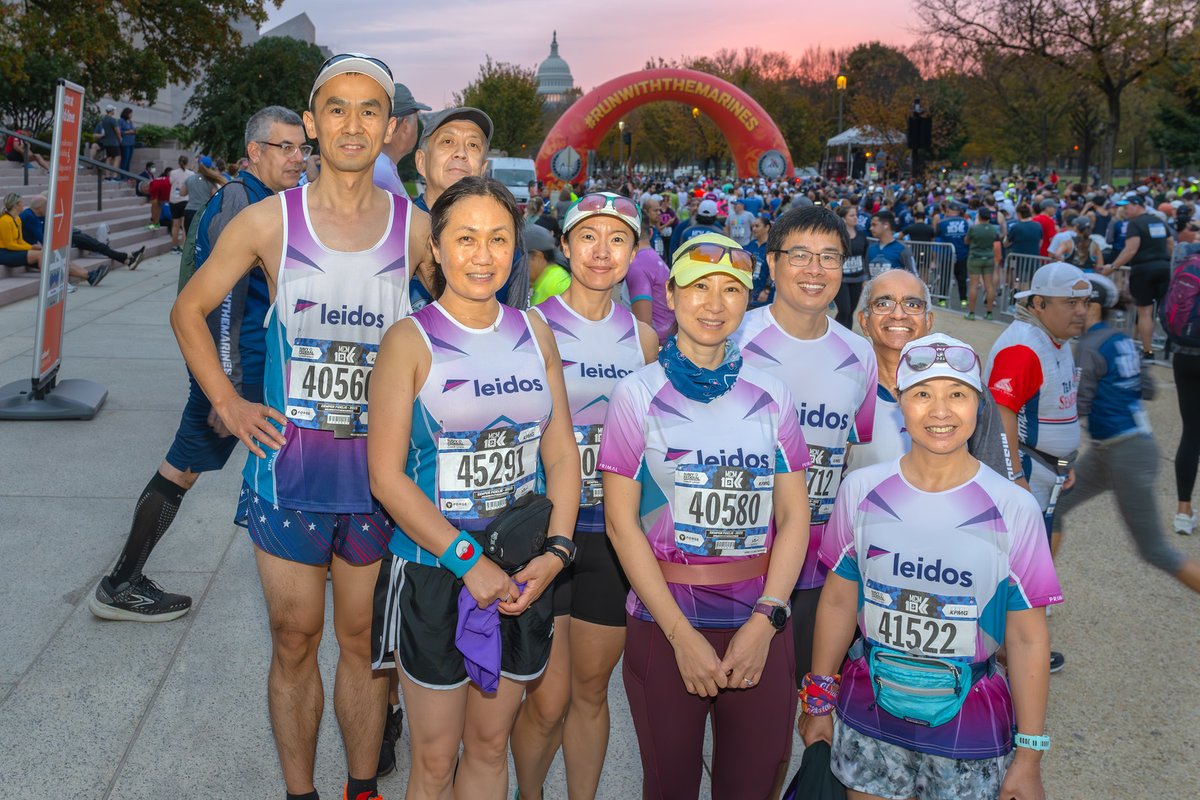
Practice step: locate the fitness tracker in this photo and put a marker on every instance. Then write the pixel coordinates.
(777, 615)
(1041, 743)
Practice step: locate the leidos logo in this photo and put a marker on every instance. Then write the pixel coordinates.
(934, 573)
(819, 418)
(738, 458)
(358, 317)
(497, 386)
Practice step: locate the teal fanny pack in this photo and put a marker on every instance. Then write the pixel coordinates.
(919, 689)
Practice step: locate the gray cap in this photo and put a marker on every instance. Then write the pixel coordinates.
(440, 118)
(538, 238)
(404, 103)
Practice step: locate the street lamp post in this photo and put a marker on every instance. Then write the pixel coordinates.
(621, 145)
(841, 93)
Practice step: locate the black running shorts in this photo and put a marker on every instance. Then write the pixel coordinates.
(1148, 283)
(416, 608)
(599, 586)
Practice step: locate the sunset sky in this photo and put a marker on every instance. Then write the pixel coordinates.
(436, 47)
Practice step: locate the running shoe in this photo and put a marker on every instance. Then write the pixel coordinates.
(1147, 356)
(177, 250)
(988, 315)
(1185, 523)
(361, 796)
(97, 275)
(393, 726)
(135, 258)
(971, 316)
(70, 288)
(138, 600)
(1057, 661)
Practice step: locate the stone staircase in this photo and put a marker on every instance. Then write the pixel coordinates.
(125, 214)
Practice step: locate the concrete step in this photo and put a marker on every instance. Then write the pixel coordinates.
(19, 287)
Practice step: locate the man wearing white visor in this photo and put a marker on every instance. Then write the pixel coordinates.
(1031, 375)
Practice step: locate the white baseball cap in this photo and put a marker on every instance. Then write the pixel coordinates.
(355, 62)
(938, 356)
(707, 208)
(1056, 279)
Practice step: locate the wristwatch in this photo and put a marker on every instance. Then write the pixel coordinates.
(1032, 742)
(778, 615)
(567, 547)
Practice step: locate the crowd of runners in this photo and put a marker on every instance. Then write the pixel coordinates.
(678, 460)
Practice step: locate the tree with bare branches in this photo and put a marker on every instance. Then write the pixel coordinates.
(1109, 45)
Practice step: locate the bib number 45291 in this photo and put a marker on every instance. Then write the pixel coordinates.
(494, 468)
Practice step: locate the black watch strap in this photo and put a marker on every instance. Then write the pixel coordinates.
(567, 547)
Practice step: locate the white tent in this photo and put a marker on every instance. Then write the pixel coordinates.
(852, 137)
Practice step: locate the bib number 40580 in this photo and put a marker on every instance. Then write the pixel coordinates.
(725, 509)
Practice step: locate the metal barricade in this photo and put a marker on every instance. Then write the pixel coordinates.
(1015, 276)
(935, 265)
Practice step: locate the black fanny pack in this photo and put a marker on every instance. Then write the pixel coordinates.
(518, 535)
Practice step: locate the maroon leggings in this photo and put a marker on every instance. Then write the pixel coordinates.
(752, 728)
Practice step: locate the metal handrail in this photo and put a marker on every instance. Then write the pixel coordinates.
(99, 165)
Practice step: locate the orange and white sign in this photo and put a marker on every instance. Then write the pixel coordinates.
(68, 124)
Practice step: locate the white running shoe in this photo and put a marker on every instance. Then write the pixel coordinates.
(1185, 523)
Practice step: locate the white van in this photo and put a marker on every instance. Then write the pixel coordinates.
(515, 173)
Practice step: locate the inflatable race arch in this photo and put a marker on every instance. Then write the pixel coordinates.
(756, 143)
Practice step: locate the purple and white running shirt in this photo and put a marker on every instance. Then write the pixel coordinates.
(330, 312)
(832, 380)
(937, 574)
(595, 355)
(707, 472)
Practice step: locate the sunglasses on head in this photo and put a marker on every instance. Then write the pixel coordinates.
(343, 56)
(599, 202)
(960, 359)
(714, 253)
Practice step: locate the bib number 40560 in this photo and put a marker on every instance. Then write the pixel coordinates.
(326, 382)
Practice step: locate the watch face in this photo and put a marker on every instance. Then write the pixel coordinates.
(779, 618)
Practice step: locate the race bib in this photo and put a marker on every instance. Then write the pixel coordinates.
(910, 621)
(824, 477)
(587, 439)
(852, 265)
(481, 473)
(327, 385)
(722, 511)
(1157, 230)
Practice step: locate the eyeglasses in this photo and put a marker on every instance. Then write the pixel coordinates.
(960, 359)
(599, 202)
(910, 305)
(801, 257)
(714, 253)
(290, 149)
(343, 56)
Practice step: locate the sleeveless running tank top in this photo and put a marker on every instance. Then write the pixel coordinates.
(330, 312)
(478, 420)
(595, 355)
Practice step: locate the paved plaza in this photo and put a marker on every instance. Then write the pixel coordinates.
(94, 709)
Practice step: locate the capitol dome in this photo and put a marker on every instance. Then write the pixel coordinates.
(554, 76)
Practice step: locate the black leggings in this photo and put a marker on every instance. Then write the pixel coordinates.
(1187, 384)
(847, 301)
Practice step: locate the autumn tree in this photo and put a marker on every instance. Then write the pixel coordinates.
(241, 83)
(120, 48)
(1109, 45)
(508, 94)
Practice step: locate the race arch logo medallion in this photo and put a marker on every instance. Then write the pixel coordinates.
(771, 165)
(565, 164)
